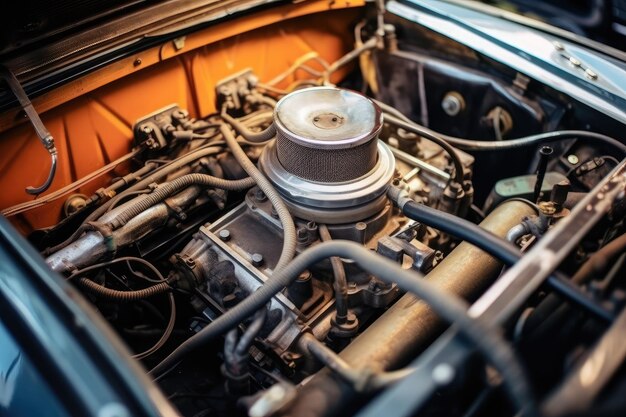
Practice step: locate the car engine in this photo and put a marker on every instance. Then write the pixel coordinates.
(298, 250)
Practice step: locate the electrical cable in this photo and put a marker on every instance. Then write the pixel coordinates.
(166, 333)
(435, 138)
(254, 137)
(152, 268)
(532, 140)
(19, 208)
(118, 295)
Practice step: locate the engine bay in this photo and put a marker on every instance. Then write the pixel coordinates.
(294, 250)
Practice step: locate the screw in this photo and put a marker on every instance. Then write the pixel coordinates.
(224, 234)
(257, 259)
(137, 62)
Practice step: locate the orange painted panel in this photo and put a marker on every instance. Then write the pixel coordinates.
(96, 128)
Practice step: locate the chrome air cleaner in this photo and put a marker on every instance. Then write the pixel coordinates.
(327, 161)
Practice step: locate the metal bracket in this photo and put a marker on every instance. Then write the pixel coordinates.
(44, 136)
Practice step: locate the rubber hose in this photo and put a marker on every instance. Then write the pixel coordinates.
(254, 137)
(289, 228)
(499, 248)
(451, 308)
(340, 282)
(463, 229)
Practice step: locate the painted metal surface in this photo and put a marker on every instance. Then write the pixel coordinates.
(540, 56)
(96, 128)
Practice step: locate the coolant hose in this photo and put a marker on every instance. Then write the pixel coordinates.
(462, 229)
(451, 308)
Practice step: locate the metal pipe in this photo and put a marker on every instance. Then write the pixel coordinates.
(416, 162)
(93, 246)
(392, 340)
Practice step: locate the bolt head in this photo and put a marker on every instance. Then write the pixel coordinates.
(224, 234)
(452, 103)
(572, 159)
(257, 259)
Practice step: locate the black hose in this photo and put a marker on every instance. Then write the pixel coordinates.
(251, 332)
(340, 283)
(532, 140)
(464, 230)
(433, 137)
(236, 352)
(451, 308)
(168, 189)
(254, 137)
(594, 265)
(117, 295)
(289, 228)
(497, 247)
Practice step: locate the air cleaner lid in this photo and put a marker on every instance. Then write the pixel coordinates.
(327, 118)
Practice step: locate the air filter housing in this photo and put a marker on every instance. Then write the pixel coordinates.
(327, 134)
(327, 161)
